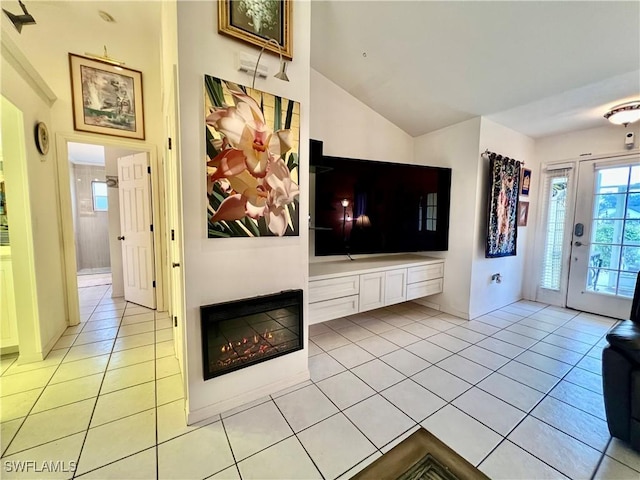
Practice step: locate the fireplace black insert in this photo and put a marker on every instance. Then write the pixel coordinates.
(249, 331)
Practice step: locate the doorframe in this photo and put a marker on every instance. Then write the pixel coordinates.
(561, 299)
(66, 216)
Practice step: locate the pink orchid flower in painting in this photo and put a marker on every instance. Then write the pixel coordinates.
(250, 166)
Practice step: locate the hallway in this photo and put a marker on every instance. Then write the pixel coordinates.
(100, 394)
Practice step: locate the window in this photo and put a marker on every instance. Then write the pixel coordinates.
(99, 192)
(615, 239)
(555, 198)
(432, 212)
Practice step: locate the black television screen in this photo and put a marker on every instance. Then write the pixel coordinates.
(378, 207)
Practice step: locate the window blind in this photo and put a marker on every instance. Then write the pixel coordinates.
(556, 185)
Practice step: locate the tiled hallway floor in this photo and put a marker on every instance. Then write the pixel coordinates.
(517, 392)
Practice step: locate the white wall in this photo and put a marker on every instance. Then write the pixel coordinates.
(456, 147)
(217, 270)
(92, 228)
(583, 144)
(48, 312)
(351, 129)
(487, 296)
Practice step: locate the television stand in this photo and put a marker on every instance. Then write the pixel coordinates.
(343, 287)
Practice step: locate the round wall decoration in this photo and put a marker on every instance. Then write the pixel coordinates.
(42, 138)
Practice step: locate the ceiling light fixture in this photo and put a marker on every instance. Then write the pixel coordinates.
(282, 72)
(624, 114)
(20, 20)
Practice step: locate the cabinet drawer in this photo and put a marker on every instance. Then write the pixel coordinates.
(425, 272)
(320, 290)
(330, 309)
(423, 289)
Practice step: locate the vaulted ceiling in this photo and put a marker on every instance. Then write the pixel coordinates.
(540, 67)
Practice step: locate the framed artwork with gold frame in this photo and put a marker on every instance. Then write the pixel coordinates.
(106, 98)
(256, 21)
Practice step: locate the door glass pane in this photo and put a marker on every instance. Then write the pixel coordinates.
(612, 180)
(627, 284)
(631, 232)
(610, 206)
(633, 205)
(634, 182)
(603, 281)
(630, 259)
(607, 231)
(556, 206)
(616, 222)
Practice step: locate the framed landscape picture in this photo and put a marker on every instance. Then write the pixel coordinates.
(107, 98)
(256, 21)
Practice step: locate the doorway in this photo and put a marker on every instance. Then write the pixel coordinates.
(605, 248)
(589, 243)
(99, 203)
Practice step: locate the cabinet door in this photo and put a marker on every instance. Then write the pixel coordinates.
(395, 289)
(371, 291)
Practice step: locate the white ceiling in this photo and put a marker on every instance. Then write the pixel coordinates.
(541, 67)
(85, 153)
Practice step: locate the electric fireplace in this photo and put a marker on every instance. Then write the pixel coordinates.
(245, 332)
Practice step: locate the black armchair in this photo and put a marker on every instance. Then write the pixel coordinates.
(621, 376)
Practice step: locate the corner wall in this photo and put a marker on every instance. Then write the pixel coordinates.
(38, 275)
(351, 129)
(486, 296)
(218, 270)
(456, 147)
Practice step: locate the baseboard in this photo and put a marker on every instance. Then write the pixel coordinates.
(211, 410)
(9, 350)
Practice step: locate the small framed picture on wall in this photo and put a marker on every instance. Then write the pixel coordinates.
(525, 182)
(523, 213)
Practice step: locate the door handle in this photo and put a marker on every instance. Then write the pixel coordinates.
(120, 237)
(174, 265)
(580, 244)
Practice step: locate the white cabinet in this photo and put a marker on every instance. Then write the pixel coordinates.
(372, 291)
(424, 280)
(395, 286)
(335, 308)
(341, 288)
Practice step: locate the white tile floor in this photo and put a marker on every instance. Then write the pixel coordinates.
(516, 392)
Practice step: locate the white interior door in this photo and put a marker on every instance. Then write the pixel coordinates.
(605, 251)
(174, 209)
(136, 229)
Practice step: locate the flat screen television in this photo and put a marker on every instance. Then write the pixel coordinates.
(378, 207)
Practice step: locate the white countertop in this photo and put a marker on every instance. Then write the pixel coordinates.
(340, 268)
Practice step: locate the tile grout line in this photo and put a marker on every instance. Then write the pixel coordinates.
(295, 435)
(155, 394)
(98, 397)
(36, 401)
(545, 394)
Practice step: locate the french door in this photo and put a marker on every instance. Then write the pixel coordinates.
(605, 247)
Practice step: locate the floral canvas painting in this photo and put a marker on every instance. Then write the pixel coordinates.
(252, 146)
(504, 174)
